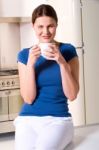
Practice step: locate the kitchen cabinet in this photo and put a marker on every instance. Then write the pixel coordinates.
(27, 39)
(10, 40)
(18, 8)
(10, 8)
(9, 45)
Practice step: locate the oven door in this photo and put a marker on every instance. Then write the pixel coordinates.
(15, 103)
(4, 106)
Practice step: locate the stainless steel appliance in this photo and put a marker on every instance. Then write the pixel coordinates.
(10, 99)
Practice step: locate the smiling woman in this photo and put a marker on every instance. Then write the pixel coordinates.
(46, 83)
(45, 24)
(45, 28)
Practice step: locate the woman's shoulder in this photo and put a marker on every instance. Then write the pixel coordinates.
(68, 50)
(23, 55)
(67, 45)
(23, 51)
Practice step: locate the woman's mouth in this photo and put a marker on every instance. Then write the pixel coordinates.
(46, 37)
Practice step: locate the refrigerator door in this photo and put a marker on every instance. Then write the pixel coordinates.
(91, 59)
(69, 21)
(77, 107)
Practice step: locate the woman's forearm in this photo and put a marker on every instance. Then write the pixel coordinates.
(28, 90)
(70, 85)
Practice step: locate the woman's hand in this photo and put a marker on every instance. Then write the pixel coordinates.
(53, 53)
(34, 54)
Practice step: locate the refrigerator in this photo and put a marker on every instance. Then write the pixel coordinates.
(90, 22)
(69, 30)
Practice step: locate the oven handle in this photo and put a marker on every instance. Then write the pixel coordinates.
(7, 92)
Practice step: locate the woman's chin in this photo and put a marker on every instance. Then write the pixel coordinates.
(46, 40)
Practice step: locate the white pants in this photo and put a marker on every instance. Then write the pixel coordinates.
(43, 133)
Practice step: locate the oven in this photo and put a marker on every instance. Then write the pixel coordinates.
(10, 99)
(10, 103)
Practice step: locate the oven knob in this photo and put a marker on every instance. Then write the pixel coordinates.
(8, 83)
(3, 83)
(13, 82)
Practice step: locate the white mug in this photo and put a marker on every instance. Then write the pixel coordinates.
(43, 47)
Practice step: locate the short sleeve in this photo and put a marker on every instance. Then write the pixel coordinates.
(68, 51)
(23, 56)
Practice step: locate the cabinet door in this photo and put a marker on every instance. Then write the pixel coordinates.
(10, 8)
(10, 44)
(91, 59)
(18, 8)
(27, 35)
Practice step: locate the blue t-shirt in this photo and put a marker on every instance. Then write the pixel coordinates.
(50, 99)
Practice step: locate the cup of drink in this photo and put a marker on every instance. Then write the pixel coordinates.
(44, 47)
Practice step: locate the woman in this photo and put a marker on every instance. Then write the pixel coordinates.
(46, 84)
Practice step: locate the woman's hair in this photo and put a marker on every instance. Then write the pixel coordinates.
(44, 10)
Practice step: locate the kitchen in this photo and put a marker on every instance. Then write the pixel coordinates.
(84, 109)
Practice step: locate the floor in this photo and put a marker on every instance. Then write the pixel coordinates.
(86, 138)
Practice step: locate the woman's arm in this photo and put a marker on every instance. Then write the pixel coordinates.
(27, 82)
(70, 78)
(27, 76)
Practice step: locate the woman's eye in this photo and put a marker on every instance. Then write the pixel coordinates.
(51, 25)
(40, 27)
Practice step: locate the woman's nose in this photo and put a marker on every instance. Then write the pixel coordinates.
(45, 31)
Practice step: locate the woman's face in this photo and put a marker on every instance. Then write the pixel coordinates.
(45, 29)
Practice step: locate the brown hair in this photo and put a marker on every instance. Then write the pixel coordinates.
(44, 10)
